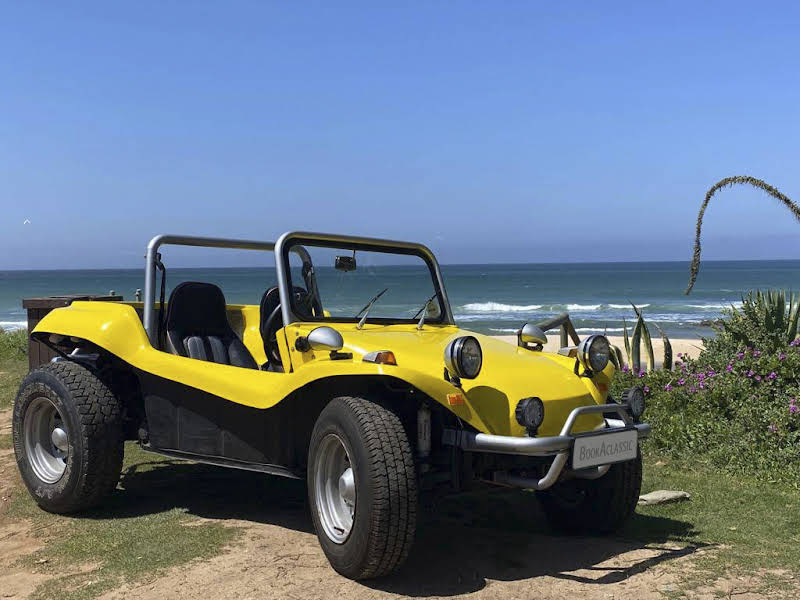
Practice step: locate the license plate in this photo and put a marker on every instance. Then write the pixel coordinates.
(604, 449)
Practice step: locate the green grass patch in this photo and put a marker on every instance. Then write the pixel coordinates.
(139, 532)
(11, 373)
(13, 344)
(746, 525)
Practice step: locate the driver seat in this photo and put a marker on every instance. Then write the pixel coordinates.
(197, 326)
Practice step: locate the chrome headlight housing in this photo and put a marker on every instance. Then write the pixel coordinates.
(594, 353)
(463, 357)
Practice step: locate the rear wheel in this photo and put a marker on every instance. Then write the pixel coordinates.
(362, 488)
(595, 505)
(67, 437)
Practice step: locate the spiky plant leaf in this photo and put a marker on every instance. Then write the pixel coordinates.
(667, 349)
(627, 342)
(636, 338)
(620, 358)
(648, 347)
(793, 326)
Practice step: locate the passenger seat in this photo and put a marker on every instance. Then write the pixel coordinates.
(197, 326)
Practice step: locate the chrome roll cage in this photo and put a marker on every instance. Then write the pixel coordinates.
(281, 248)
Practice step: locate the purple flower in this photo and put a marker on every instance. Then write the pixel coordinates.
(692, 389)
(782, 356)
(701, 376)
(647, 389)
(772, 375)
(750, 373)
(701, 385)
(756, 353)
(681, 381)
(758, 377)
(793, 409)
(772, 428)
(641, 374)
(740, 355)
(668, 388)
(796, 342)
(625, 368)
(729, 368)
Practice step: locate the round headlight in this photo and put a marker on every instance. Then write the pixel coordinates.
(530, 413)
(463, 357)
(634, 398)
(594, 353)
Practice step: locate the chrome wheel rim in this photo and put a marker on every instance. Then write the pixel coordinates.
(334, 488)
(46, 440)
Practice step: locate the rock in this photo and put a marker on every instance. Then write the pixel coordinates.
(663, 497)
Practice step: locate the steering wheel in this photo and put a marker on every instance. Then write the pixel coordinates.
(304, 304)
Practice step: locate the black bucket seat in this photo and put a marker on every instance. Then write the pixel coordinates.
(197, 326)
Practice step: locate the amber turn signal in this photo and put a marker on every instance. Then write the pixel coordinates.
(383, 357)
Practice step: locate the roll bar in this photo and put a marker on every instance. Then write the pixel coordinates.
(149, 316)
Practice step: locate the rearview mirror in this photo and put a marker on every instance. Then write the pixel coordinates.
(345, 263)
(531, 334)
(322, 339)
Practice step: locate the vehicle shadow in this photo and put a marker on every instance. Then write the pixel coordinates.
(462, 541)
(503, 535)
(206, 491)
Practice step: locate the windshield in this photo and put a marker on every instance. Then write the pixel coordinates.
(385, 286)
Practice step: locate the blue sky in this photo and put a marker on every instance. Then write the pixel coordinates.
(512, 131)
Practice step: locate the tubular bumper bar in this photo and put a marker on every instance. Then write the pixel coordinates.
(543, 446)
(558, 445)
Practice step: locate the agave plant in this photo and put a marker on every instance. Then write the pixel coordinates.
(641, 333)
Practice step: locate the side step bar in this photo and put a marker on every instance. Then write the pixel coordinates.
(220, 461)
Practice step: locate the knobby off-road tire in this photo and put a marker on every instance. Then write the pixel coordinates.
(361, 435)
(595, 506)
(92, 448)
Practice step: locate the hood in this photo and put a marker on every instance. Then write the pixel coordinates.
(508, 374)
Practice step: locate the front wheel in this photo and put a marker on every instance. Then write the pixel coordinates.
(362, 488)
(595, 505)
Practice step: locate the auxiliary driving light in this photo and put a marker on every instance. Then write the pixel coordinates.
(594, 353)
(634, 398)
(463, 357)
(530, 413)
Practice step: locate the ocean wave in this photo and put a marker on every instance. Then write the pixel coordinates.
(599, 329)
(503, 330)
(491, 307)
(583, 306)
(13, 325)
(716, 305)
(627, 306)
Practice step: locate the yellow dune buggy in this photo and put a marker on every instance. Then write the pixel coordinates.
(350, 373)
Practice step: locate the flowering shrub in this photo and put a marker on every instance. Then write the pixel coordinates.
(738, 409)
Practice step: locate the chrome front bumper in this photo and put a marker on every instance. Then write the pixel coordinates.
(559, 445)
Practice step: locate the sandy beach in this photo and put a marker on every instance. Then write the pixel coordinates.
(688, 346)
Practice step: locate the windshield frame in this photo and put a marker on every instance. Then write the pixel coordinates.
(289, 241)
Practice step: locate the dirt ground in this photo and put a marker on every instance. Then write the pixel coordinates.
(461, 549)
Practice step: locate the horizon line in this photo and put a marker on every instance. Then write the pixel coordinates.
(464, 264)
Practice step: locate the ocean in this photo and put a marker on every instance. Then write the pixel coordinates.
(492, 298)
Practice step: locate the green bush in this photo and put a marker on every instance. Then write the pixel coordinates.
(738, 409)
(13, 344)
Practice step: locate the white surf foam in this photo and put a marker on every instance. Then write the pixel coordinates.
(13, 325)
(584, 306)
(492, 307)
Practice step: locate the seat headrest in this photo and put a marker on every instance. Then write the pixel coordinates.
(197, 306)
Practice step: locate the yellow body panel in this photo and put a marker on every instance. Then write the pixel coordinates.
(508, 374)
